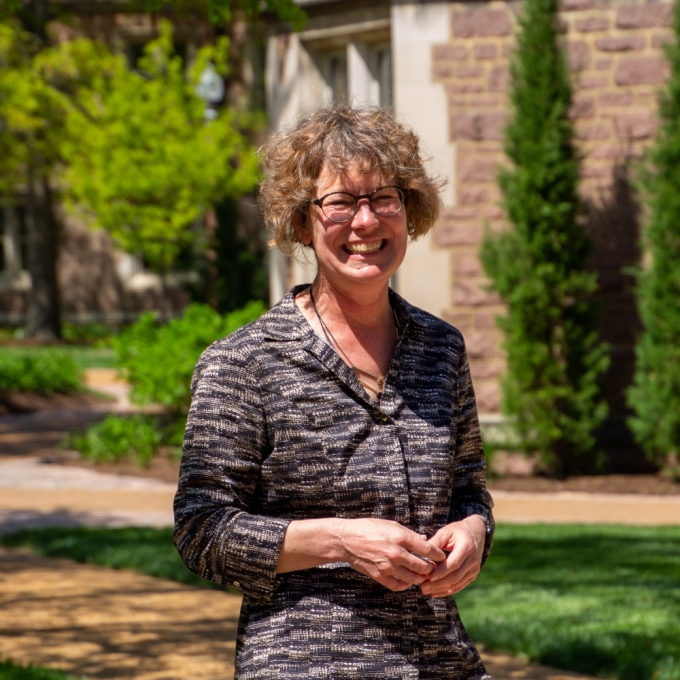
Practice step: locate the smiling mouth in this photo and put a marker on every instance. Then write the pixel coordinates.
(363, 248)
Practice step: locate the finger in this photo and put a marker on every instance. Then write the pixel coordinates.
(452, 584)
(454, 562)
(418, 564)
(420, 546)
(408, 576)
(452, 589)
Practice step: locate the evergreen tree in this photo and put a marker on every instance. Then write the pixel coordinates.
(655, 394)
(539, 265)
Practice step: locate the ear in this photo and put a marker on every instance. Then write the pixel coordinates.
(301, 229)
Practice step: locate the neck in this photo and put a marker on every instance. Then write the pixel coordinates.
(368, 308)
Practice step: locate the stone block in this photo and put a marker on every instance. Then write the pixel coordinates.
(616, 152)
(488, 397)
(576, 5)
(592, 82)
(457, 213)
(481, 22)
(661, 39)
(482, 102)
(620, 43)
(637, 125)
(480, 345)
(649, 15)
(578, 54)
(493, 212)
(478, 125)
(467, 194)
(487, 370)
(588, 132)
(447, 235)
(462, 88)
(507, 50)
(485, 320)
(469, 267)
(469, 71)
(462, 322)
(499, 78)
(471, 293)
(477, 170)
(616, 99)
(603, 64)
(592, 24)
(641, 70)
(484, 51)
(596, 171)
(450, 53)
(442, 70)
(583, 106)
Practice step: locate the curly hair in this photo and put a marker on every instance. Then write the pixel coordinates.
(365, 138)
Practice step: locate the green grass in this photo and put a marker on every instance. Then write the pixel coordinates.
(13, 671)
(85, 356)
(140, 549)
(602, 600)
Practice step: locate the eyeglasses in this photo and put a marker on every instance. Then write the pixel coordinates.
(340, 206)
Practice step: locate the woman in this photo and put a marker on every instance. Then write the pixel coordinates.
(333, 468)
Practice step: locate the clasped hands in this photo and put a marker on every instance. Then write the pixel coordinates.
(398, 558)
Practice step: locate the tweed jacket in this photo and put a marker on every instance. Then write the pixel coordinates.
(280, 429)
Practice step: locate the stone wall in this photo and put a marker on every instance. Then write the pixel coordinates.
(615, 51)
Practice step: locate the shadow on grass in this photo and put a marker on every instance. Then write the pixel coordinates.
(12, 671)
(140, 549)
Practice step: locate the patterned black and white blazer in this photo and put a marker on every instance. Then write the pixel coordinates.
(280, 429)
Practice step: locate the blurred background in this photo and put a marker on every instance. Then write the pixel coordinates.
(130, 239)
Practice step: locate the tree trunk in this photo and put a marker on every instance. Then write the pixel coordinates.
(43, 314)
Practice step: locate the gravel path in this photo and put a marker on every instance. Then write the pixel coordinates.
(115, 624)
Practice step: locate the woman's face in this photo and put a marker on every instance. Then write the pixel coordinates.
(367, 249)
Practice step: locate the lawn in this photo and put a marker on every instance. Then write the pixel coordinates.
(602, 600)
(85, 356)
(12, 671)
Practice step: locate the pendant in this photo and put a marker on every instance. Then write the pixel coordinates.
(381, 382)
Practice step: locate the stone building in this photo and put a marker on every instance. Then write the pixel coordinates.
(444, 68)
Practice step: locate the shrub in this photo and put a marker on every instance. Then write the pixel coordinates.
(159, 361)
(655, 395)
(116, 438)
(539, 266)
(45, 373)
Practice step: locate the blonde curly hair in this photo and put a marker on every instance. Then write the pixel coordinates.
(366, 138)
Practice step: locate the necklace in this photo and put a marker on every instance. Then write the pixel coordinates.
(379, 380)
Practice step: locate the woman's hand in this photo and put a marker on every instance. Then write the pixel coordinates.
(465, 540)
(383, 550)
(379, 548)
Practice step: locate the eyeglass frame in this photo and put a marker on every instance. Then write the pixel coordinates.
(403, 192)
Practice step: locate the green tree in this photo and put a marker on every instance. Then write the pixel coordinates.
(36, 91)
(655, 394)
(40, 84)
(143, 161)
(539, 265)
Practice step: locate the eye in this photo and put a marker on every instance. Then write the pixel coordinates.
(339, 202)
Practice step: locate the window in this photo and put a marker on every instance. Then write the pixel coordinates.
(335, 75)
(381, 70)
(13, 240)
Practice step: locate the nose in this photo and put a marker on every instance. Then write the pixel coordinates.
(364, 217)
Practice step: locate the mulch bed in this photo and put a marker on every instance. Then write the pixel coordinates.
(644, 484)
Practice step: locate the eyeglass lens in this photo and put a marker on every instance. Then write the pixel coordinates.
(341, 207)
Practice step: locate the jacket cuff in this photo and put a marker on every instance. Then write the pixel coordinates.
(252, 553)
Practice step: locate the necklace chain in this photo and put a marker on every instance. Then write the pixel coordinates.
(380, 380)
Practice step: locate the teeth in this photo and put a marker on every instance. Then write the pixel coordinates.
(364, 247)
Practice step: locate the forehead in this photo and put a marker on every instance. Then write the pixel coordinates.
(352, 180)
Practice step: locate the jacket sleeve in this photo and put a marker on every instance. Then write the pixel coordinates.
(469, 495)
(216, 532)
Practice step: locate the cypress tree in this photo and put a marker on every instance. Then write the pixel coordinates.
(655, 394)
(539, 265)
